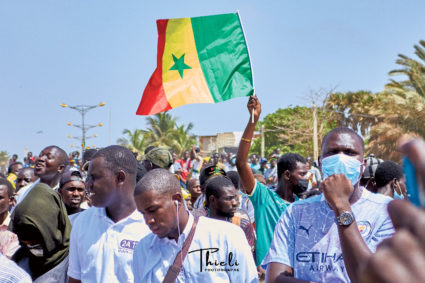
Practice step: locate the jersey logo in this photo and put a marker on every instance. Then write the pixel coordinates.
(364, 228)
(128, 244)
(307, 230)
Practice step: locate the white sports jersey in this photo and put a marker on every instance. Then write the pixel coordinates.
(306, 236)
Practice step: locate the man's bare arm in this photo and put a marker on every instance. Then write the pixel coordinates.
(72, 280)
(278, 272)
(245, 173)
(354, 249)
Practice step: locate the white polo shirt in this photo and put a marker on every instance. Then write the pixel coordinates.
(226, 256)
(101, 250)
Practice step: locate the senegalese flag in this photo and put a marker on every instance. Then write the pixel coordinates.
(200, 60)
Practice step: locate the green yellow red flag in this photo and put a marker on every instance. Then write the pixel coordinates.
(200, 60)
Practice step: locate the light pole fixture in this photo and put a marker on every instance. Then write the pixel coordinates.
(83, 109)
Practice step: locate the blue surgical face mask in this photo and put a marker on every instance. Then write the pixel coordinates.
(342, 164)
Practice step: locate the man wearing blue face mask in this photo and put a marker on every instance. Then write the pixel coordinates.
(324, 238)
(390, 180)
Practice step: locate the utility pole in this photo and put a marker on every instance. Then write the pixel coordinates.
(262, 140)
(315, 141)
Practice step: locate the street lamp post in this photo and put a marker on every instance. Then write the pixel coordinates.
(83, 109)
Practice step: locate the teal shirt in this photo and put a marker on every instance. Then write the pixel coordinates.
(268, 207)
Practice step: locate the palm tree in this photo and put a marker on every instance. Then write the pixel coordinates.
(183, 140)
(161, 129)
(137, 140)
(353, 109)
(413, 70)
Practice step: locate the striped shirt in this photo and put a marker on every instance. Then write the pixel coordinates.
(12, 273)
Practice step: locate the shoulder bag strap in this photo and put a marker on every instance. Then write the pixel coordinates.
(174, 270)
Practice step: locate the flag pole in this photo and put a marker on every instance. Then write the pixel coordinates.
(250, 62)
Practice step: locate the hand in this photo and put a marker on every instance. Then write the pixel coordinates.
(261, 273)
(402, 257)
(337, 190)
(254, 103)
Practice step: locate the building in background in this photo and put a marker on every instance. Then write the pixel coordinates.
(220, 142)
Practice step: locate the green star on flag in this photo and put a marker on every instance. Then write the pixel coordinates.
(179, 65)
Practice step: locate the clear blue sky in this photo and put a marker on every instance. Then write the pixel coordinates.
(85, 52)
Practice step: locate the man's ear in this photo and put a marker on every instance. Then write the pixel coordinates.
(12, 200)
(61, 168)
(177, 197)
(393, 183)
(120, 177)
(286, 175)
(211, 200)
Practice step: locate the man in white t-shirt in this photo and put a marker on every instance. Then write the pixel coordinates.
(103, 237)
(326, 237)
(219, 251)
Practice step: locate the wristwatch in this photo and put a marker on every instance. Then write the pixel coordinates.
(345, 218)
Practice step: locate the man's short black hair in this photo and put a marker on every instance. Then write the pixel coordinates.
(214, 185)
(159, 180)
(141, 171)
(63, 156)
(288, 162)
(343, 130)
(88, 154)
(9, 169)
(386, 172)
(234, 177)
(9, 186)
(118, 158)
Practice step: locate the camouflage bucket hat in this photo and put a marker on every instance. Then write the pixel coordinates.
(160, 157)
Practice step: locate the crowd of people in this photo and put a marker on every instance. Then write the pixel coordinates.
(113, 216)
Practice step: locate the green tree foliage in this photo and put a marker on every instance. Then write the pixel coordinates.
(291, 130)
(383, 117)
(4, 161)
(355, 110)
(412, 69)
(136, 141)
(162, 131)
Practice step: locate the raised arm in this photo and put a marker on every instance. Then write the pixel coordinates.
(245, 173)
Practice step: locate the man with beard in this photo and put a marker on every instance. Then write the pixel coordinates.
(268, 204)
(179, 243)
(103, 237)
(222, 202)
(49, 167)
